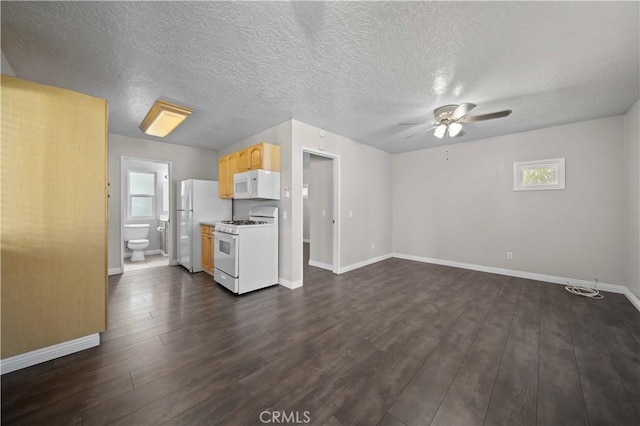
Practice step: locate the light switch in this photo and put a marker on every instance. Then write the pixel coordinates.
(324, 213)
(284, 214)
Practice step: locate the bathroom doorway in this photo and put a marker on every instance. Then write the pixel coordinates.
(145, 199)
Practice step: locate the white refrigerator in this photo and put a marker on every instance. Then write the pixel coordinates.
(198, 201)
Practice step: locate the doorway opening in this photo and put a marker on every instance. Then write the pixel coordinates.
(145, 218)
(320, 211)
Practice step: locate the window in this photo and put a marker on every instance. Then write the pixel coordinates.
(141, 195)
(538, 175)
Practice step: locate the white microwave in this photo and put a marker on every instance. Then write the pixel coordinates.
(257, 184)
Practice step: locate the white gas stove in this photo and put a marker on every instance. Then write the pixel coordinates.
(246, 251)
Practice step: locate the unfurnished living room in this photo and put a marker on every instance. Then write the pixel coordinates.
(323, 213)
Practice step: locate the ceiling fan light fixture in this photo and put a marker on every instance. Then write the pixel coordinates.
(163, 118)
(454, 129)
(440, 130)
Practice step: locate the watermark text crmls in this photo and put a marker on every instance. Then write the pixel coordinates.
(275, 417)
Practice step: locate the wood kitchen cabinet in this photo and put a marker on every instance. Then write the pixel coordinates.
(264, 156)
(208, 242)
(227, 167)
(223, 181)
(243, 160)
(261, 156)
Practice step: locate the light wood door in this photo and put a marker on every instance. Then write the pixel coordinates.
(207, 252)
(54, 215)
(264, 156)
(243, 160)
(223, 177)
(255, 157)
(233, 169)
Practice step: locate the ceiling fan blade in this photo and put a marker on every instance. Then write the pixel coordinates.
(421, 131)
(413, 123)
(461, 111)
(483, 117)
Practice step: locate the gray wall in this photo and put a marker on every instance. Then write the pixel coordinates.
(160, 169)
(186, 163)
(5, 66)
(464, 209)
(633, 197)
(321, 200)
(365, 191)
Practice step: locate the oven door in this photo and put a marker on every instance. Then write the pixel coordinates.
(226, 253)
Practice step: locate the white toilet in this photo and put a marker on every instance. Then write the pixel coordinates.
(137, 238)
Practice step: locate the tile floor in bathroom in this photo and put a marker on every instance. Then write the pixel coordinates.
(150, 261)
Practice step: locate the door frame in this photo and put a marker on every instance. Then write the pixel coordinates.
(336, 204)
(123, 207)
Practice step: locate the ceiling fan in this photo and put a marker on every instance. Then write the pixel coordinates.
(448, 119)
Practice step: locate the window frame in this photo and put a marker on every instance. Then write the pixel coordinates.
(558, 163)
(153, 197)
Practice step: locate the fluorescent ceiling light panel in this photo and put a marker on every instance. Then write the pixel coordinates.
(163, 118)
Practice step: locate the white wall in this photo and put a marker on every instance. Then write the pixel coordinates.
(365, 190)
(633, 199)
(277, 135)
(464, 209)
(320, 200)
(161, 170)
(186, 163)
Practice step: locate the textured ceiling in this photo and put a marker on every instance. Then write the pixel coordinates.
(353, 68)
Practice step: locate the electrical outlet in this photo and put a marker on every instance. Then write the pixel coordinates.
(324, 213)
(510, 255)
(284, 214)
(373, 246)
(350, 213)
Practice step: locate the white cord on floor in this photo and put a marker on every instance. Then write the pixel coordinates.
(592, 293)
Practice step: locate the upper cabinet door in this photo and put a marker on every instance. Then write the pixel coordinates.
(243, 160)
(223, 176)
(233, 169)
(264, 156)
(255, 157)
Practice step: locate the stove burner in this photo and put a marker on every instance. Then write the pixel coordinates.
(244, 222)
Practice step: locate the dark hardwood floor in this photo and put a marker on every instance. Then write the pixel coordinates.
(394, 343)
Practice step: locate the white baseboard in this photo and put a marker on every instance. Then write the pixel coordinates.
(322, 265)
(632, 298)
(115, 271)
(613, 288)
(290, 284)
(365, 263)
(38, 356)
(306, 240)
